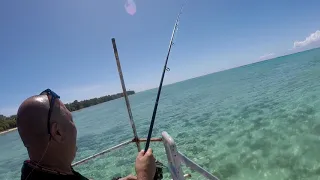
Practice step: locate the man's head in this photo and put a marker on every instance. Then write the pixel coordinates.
(56, 139)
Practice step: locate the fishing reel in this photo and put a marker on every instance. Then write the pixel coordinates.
(159, 173)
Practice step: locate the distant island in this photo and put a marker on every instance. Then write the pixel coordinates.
(7, 123)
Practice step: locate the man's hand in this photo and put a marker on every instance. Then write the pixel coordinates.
(145, 165)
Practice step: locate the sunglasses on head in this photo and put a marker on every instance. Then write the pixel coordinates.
(52, 96)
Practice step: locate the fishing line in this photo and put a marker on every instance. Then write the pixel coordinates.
(165, 68)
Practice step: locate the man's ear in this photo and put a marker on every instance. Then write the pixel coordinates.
(56, 132)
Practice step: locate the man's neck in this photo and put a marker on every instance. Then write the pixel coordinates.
(54, 166)
(49, 159)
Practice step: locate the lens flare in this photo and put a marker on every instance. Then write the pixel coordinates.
(130, 7)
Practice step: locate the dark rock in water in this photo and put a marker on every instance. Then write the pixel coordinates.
(196, 150)
(260, 122)
(300, 173)
(250, 161)
(260, 144)
(123, 161)
(255, 164)
(317, 171)
(284, 160)
(211, 142)
(187, 141)
(285, 146)
(232, 143)
(220, 156)
(265, 153)
(249, 135)
(182, 135)
(218, 130)
(226, 171)
(306, 109)
(206, 165)
(242, 156)
(187, 124)
(195, 118)
(316, 129)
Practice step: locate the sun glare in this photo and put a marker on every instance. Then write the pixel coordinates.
(130, 7)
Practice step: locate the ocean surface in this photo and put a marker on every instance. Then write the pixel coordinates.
(259, 121)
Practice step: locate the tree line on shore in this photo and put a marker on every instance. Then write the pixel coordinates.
(10, 122)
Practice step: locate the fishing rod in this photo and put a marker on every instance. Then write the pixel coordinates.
(165, 68)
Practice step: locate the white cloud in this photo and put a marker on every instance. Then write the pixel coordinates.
(266, 56)
(313, 38)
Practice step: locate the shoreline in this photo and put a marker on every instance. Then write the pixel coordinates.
(7, 131)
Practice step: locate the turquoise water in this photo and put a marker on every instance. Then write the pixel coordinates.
(260, 121)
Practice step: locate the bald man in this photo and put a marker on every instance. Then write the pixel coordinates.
(48, 132)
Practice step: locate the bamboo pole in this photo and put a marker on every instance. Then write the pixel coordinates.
(135, 135)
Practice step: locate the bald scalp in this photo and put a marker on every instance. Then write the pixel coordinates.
(56, 149)
(32, 119)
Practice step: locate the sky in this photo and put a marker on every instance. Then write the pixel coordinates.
(66, 45)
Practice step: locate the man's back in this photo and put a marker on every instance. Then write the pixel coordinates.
(32, 171)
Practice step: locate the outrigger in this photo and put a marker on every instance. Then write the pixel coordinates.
(174, 157)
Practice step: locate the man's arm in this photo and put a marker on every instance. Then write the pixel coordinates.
(145, 165)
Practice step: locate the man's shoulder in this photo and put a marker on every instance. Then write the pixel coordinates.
(30, 171)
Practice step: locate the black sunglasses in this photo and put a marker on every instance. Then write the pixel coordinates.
(54, 96)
